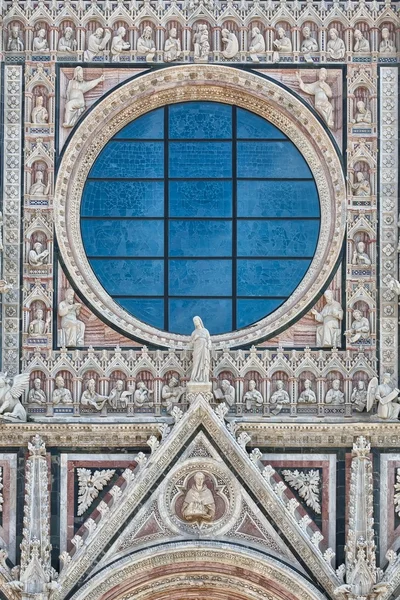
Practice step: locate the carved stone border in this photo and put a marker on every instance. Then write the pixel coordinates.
(221, 84)
(12, 217)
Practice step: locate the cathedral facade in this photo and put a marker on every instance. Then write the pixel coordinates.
(199, 294)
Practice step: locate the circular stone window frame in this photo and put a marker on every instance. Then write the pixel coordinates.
(202, 83)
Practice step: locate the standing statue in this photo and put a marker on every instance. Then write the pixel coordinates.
(199, 504)
(118, 44)
(334, 395)
(386, 395)
(309, 44)
(282, 44)
(15, 44)
(61, 394)
(172, 46)
(39, 112)
(231, 43)
(201, 342)
(335, 46)
(387, 45)
(76, 90)
(38, 188)
(73, 329)
(362, 44)
(257, 44)
(11, 408)
(328, 334)
(359, 396)
(279, 397)
(67, 42)
(36, 394)
(39, 42)
(322, 93)
(96, 44)
(253, 395)
(37, 256)
(145, 44)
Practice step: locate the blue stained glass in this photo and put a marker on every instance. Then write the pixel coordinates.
(269, 277)
(148, 310)
(200, 238)
(270, 160)
(277, 238)
(250, 125)
(123, 237)
(123, 199)
(200, 198)
(130, 159)
(149, 126)
(277, 199)
(194, 277)
(254, 309)
(125, 277)
(200, 159)
(216, 313)
(200, 120)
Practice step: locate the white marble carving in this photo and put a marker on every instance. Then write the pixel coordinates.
(61, 395)
(322, 93)
(118, 44)
(257, 44)
(37, 255)
(225, 393)
(386, 396)
(40, 43)
(199, 502)
(282, 44)
(231, 44)
(11, 408)
(308, 486)
(76, 90)
(145, 44)
(172, 392)
(73, 330)
(360, 328)
(201, 359)
(89, 486)
(387, 46)
(362, 44)
(67, 43)
(335, 46)
(360, 257)
(38, 326)
(361, 186)
(96, 44)
(253, 396)
(279, 397)
(143, 395)
(39, 188)
(394, 285)
(39, 112)
(172, 46)
(330, 317)
(309, 44)
(15, 44)
(201, 43)
(396, 497)
(118, 397)
(363, 114)
(36, 394)
(307, 395)
(334, 395)
(359, 396)
(91, 398)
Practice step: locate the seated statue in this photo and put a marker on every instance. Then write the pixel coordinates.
(61, 395)
(360, 257)
(38, 326)
(386, 395)
(363, 114)
(39, 188)
(39, 42)
(172, 392)
(257, 44)
(37, 256)
(307, 395)
(387, 45)
(118, 44)
(145, 44)
(253, 396)
(67, 42)
(73, 329)
(362, 186)
(359, 396)
(36, 394)
(362, 44)
(96, 44)
(335, 46)
(39, 112)
(225, 393)
(198, 504)
(91, 398)
(279, 397)
(360, 328)
(142, 395)
(282, 44)
(172, 46)
(309, 44)
(117, 395)
(334, 395)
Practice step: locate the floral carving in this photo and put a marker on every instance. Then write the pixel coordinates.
(397, 492)
(308, 486)
(90, 484)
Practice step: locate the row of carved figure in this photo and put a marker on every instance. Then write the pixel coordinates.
(98, 41)
(173, 392)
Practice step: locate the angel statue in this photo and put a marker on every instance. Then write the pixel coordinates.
(386, 395)
(11, 408)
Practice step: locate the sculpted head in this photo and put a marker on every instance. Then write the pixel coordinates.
(39, 314)
(361, 106)
(358, 34)
(252, 385)
(39, 101)
(386, 378)
(39, 176)
(91, 385)
(323, 74)
(15, 31)
(119, 385)
(172, 32)
(60, 381)
(42, 33)
(360, 176)
(306, 32)
(99, 32)
(199, 479)
(307, 384)
(197, 322)
(225, 33)
(141, 385)
(68, 33)
(121, 31)
(37, 383)
(357, 315)
(78, 74)
(37, 246)
(173, 382)
(336, 384)
(385, 33)
(255, 31)
(225, 385)
(333, 34)
(279, 384)
(360, 247)
(361, 385)
(147, 32)
(281, 32)
(328, 295)
(69, 296)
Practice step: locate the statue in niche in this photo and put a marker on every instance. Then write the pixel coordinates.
(118, 44)
(394, 285)
(201, 357)
(38, 188)
(36, 394)
(91, 398)
(253, 396)
(40, 115)
(40, 42)
(335, 46)
(15, 44)
(145, 45)
(386, 395)
(119, 397)
(387, 45)
(328, 333)
(11, 408)
(257, 44)
(359, 396)
(199, 503)
(201, 43)
(334, 395)
(172, 392)
(231, 43)
(37, 256)
(76, 90)
(282, 44)
(38, 326)
(363, 114)
(360, 257)
(142, 395)
(172, 46)
(360, 328)
(322, 92)
(73, 329)
(67, 42)
(362, 44)
(96, 44)
(61, 395)
(225, 393)
(309, 44)
(279, 397)
(361, 187)
(307, 395)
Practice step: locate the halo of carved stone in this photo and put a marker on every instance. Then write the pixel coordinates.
(191, 504)
(221, 84)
